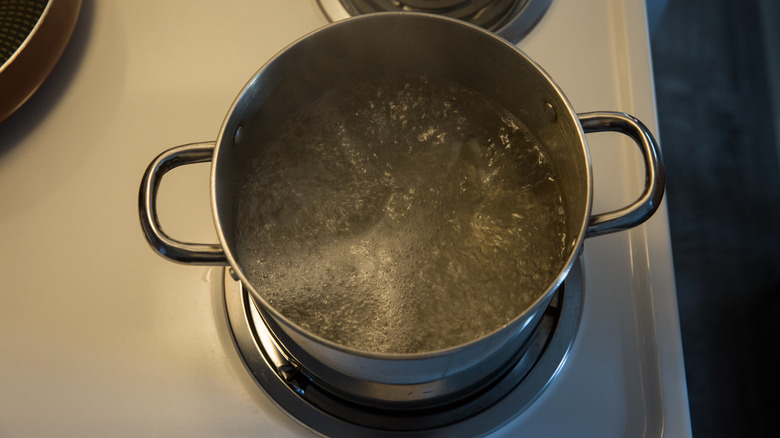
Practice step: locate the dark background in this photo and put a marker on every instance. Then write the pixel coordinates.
(716, 66)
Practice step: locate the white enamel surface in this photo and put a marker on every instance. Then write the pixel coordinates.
(100, 336)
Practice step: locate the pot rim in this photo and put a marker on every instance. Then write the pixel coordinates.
(575, 248)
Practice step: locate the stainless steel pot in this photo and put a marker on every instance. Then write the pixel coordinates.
(392, 44)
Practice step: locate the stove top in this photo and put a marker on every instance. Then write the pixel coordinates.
(105, 337)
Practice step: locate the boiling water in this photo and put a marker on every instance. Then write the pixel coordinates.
(400, 216)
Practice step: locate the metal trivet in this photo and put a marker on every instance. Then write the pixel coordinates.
(326, 413)
(511, 19)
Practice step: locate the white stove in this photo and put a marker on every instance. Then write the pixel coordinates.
(100, 336)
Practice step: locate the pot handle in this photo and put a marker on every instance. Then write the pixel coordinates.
(644, 207)
(202, 254)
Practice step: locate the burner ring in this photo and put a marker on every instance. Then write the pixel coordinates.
(329, 414)
(510, 19)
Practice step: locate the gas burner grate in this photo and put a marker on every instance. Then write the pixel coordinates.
(511, 19)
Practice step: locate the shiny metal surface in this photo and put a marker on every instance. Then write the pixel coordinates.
(356, 50)
(326, 412)
(510, 19)
(203, 254)
(397, 389)
(422, 45)
(648, 202)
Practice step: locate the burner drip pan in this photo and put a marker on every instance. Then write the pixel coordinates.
(320, 406)
(511, 19)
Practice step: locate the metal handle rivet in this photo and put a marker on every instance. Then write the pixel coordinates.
(239, 135)
(550, 111)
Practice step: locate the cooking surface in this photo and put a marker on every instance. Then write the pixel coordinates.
(106, 337)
